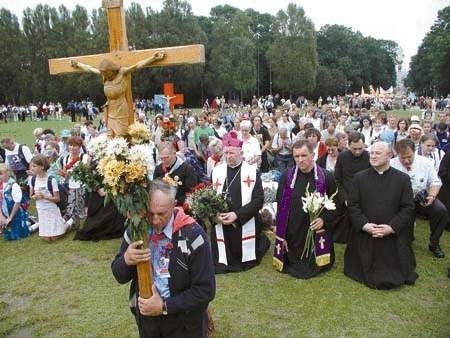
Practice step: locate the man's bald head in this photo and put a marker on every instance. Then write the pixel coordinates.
(380, 155)
(382, 146)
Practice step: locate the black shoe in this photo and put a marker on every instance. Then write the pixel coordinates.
(437, 251)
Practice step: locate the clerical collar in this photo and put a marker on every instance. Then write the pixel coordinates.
(236, 166)
(381, 172)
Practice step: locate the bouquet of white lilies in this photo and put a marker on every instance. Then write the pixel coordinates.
(314, 204)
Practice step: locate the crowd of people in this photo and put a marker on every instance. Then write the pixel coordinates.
(379, 171)
(43, 111)
(43, 174)
(341, 141)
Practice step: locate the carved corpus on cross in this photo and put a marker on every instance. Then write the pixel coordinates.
(120, 55)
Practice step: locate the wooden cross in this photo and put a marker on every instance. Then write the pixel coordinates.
(249, 181)
(120, 55)
(174, 98)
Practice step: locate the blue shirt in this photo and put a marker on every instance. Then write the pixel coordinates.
(160, 250)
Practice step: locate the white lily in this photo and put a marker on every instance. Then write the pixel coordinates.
(329, 204)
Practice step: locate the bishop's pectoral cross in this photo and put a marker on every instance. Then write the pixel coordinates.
(119, 54)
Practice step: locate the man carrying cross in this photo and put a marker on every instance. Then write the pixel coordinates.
(238, 242)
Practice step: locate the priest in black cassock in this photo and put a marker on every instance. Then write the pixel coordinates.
(176, 169)
(348, 163)
(381, 210)
(103, 220)
(293, 222)
(238, 242)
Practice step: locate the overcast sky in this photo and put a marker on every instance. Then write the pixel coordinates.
(404, 21)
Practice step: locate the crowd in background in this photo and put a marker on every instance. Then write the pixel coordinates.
(268, 127)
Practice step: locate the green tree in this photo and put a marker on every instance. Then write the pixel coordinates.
(293, 55)
(261, 28)
(330, 81)
(233, 56)
(381, 63)
(14, 56)
(342, 49)
(430, 67)
(355, 60)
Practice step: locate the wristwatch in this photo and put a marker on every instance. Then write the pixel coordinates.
(164, 309)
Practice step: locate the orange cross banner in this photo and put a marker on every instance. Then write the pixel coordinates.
(175, 99)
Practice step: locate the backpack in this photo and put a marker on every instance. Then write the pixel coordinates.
(22, 156)
(65, 159)
(63, 192)
(25, 201)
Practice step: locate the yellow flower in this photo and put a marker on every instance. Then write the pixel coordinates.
(113, 171)
(139, 133)
(113, 191)
(134, 172)
(102, 163)
(172, 181)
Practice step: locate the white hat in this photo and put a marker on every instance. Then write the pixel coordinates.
(415, 118)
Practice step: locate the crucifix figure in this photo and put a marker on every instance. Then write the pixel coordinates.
(116, 66)
(172, 98)
(115, 84)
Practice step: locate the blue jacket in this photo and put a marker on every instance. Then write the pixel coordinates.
(192, 281)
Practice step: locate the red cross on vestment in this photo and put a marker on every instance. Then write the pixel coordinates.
(217, 184)
(249, 181)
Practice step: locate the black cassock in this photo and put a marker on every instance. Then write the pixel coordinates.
(444, 192)
(386, 198)
(102, 221)
(298, 224)
(347, 165)
(186, 176)
(233, 235)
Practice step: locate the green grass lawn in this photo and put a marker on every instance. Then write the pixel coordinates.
(66, 289)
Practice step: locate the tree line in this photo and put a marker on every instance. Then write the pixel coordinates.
(429, 73)
(247, 53)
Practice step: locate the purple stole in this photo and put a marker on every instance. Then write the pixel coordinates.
(322, 242)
